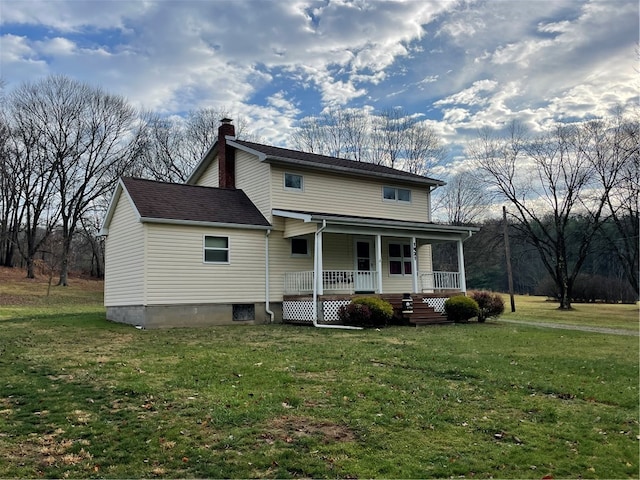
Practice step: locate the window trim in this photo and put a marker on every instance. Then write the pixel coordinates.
(205, 248)
(396, 195)
(299, 255)
(402, 259)
(293, 189)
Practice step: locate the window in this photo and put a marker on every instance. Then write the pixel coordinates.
(244, 312)
(392, 194)
(400, 259)
(216, 249)
(293, 182)
(299, 247)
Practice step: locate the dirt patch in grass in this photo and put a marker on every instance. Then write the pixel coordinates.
(289, 428)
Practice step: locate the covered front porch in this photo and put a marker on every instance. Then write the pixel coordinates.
(355, 281)
(348, 256)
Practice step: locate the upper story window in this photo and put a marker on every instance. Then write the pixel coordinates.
(216, 249)
(393, 194)
(293, 181)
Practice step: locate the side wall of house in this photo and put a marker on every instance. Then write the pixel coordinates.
(209, 177)
(252, 177)
(177, 273)
(281, 261)
(124, 257)
(346, 195)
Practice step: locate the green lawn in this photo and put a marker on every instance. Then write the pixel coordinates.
(82, 397)
(538, 309)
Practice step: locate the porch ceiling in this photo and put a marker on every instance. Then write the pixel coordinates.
(336, 223)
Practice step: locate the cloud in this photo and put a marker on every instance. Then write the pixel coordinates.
(464, 64)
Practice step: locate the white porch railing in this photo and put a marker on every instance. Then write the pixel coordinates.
(434, 281)
(332, 280)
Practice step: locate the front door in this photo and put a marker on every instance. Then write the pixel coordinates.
(365, 276)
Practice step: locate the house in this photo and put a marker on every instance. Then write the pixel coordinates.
(266, 234)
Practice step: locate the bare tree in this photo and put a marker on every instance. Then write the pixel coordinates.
(308, 136)
(391, 137)
(463, 200)
(422, 149)
(87, 137)
(34, 176)
(619, 152)
(170, 148)
(549, 180)
(9, 197)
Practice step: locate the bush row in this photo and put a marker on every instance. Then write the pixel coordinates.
(591, 289)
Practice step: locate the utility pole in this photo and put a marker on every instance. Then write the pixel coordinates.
(507, 252)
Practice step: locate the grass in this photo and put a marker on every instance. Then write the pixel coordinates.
(538, 309)
(82, 397)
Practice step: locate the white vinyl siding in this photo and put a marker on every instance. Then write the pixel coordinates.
(209, 177)
(342, 194)
(281, 261)
(124, 257)
(390, 282)
(252, 177)
(294, 227)
(176, 273)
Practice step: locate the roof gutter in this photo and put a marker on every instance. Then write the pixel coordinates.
(173, 221)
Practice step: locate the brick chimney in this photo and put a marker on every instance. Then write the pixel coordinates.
(226, 155)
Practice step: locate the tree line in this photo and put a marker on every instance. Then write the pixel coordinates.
(63, 146)
(571, 192)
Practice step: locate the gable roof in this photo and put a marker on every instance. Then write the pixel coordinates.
(315, 161)
(324, 162)
(162, 202)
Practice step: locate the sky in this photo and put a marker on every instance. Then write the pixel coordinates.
(460, 66)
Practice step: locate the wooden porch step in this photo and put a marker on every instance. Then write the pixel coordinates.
(422, 314)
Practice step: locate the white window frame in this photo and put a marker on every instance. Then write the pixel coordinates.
(300, 254)
(293, 189)
(396, 194)
(205, 249)
(402, 259)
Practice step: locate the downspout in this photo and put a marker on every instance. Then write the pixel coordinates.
(266, 274)
(316, 271)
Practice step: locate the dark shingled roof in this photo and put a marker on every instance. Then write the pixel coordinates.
(323, 161)
(174, 201)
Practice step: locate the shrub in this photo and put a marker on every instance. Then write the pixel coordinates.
(461, 308)
(366, 312)
(490, 304)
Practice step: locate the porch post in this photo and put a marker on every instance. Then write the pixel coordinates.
(463, 280)
(379, 262)
(414, 264)
(318, 263)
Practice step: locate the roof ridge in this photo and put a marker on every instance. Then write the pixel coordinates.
(370, 168)
(161, 182)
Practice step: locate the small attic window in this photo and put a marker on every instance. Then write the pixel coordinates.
(293, 181)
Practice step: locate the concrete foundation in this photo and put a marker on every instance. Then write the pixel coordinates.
(198, 315)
